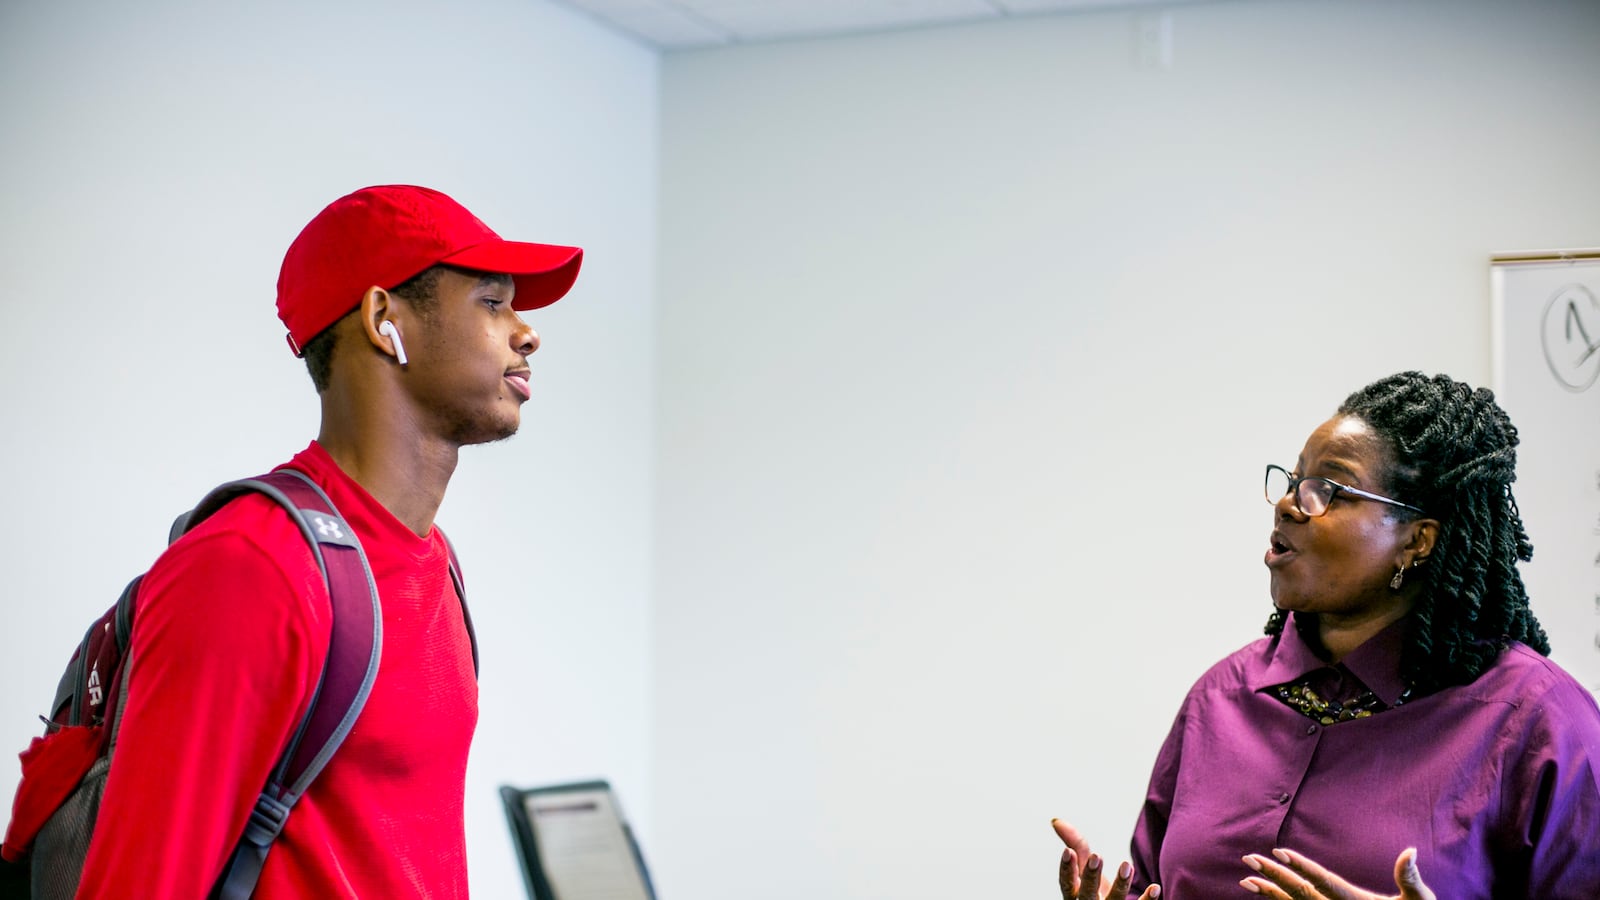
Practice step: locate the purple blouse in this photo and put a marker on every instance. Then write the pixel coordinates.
(1497, 783)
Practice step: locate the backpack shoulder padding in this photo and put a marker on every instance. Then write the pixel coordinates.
(354, 649)
(347, 675)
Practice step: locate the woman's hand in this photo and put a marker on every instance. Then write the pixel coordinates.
(1291, 876)
(1081, 871)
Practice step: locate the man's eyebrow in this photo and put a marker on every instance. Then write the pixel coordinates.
(495, 279)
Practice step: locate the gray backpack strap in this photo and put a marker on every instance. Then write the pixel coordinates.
(461, 595)
(355, 647)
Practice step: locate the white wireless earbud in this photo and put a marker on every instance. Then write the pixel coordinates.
(387, 328)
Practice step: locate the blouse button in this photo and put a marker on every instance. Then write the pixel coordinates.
(1283, 798)
(1311, 729)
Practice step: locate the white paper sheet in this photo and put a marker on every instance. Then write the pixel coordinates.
(584, 847)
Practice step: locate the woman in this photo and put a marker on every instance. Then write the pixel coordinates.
(1400, 722)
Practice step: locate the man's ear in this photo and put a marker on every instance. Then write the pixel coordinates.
(377, 307)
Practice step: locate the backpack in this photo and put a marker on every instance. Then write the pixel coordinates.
(64, 771)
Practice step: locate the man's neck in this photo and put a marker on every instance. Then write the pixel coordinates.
(401, 469)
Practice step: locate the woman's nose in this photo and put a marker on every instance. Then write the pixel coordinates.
(1287, 508)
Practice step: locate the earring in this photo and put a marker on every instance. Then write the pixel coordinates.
(1399, 576)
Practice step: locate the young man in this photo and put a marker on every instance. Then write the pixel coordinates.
(405, 308)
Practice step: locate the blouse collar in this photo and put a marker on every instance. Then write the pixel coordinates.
(1376, 663)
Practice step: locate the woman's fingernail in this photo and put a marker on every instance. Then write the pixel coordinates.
(1253, 863)
(1249, 885)
(1125, 871)
(1094, 862)
(1155, 890)
(1282, 855)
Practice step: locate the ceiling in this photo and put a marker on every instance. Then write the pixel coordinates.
(688, 24)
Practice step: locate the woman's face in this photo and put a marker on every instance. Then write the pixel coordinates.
(1339, 564)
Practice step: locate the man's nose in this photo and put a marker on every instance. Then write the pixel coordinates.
(524, 340)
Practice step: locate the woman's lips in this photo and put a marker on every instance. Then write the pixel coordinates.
(1279, 550)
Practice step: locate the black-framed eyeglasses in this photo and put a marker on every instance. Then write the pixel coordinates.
(1313, 494)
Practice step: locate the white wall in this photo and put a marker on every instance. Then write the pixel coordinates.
(158, 157)
(974, 342)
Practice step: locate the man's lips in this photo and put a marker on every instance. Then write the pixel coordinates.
(518, 379)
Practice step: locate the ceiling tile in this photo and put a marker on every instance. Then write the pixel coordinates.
(793, 18)
(613, 7)
(1039, 6)
(670, 29)
(684, 24)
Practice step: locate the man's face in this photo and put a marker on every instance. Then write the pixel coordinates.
(468, 369)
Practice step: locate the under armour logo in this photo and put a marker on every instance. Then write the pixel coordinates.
(328, 528)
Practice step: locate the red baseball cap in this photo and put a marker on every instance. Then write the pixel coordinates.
(383, 236)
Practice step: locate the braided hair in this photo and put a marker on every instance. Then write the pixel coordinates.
(1454, 454)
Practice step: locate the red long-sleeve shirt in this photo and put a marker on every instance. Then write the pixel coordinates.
(230, 635)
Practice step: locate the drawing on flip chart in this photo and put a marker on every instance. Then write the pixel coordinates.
(1570, 336)
(1546, 328)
